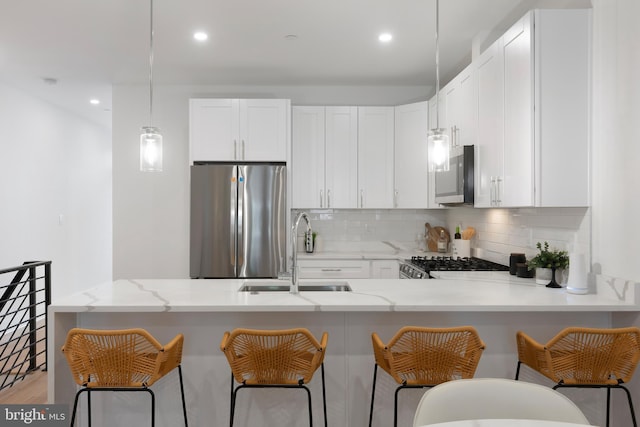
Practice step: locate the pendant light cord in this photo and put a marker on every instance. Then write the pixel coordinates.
(437, 62)
(151, 64)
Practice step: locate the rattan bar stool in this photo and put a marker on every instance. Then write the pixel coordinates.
(120, 360)
(274, 358)
(419, 357)
(585, 358)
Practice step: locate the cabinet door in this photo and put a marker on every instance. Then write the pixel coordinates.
(308, 166)
(466, 127)
(263, 129)
(489, 155)
(341, 157)
(410, 156)
(384, 269)
(213, 129)
(462, 107)
(375, 157)
(518, 115)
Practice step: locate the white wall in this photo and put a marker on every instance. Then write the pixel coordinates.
(151, 210)
(616, 138)
(55, 191)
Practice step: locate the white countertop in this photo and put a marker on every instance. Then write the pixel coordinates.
(464, 292)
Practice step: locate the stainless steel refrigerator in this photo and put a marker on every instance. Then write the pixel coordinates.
(238, 220)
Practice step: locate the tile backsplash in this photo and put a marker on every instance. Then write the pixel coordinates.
(499, 232)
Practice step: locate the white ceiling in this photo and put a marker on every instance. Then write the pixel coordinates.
(90, 45)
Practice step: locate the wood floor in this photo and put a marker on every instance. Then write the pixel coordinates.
(30, 391)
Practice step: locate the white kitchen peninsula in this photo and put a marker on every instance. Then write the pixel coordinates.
(495, 303)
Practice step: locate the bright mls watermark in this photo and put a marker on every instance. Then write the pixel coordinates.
(34, 415)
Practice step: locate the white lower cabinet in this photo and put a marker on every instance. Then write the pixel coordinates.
(384, 269)
(333, 269)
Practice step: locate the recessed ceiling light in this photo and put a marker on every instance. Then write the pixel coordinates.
(94, 101)
(291, 37)
(385, 37)
(200, 36)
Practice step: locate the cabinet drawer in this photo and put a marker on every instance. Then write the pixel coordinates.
(327, 269)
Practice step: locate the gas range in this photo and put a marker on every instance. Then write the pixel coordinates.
(420, 267)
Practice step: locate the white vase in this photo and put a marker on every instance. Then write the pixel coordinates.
(543, 276)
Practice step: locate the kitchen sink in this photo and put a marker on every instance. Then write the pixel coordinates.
(279, 286)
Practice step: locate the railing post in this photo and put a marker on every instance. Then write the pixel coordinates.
(32, 318)
(47, 302)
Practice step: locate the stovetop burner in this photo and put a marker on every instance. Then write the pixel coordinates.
(443, 263)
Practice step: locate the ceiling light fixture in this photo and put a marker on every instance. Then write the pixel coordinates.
(438, 141)
(94, 101)
(385, 37)
(150, 138)
(200, 36)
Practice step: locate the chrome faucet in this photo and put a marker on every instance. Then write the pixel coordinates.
(293, 289)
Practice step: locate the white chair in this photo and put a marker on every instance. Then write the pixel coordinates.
(494, 398)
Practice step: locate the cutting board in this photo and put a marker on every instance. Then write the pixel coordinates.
(432, 234)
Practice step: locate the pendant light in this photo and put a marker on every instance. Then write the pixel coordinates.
(150, 137)
(438, 141)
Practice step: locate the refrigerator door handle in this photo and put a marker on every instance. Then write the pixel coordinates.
(232, 228)
(240, 250)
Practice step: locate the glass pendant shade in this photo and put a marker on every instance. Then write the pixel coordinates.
(438, 150)
(150, 150)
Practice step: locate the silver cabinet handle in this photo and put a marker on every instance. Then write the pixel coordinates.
(395, 198)
(492, 192)
(328, 198)
(362, 198)
(498, 199)
(330, 269)
(243, 150)
(235, 150)
(321, 198)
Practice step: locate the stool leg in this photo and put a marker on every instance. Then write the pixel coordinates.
(324, 395)
(232, 403)
(633, 413)
(153, 406)
(395, 406)
(75, 406)
(89, 405)
(373, 392)
(608, 404)
(309, 401)
(184, 404)
(518, 370)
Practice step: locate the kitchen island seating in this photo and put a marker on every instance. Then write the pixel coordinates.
(585, 358)
(494, 398)
(285, 358)
(419, 357)
(120, 360)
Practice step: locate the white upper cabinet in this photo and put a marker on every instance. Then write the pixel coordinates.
(324, 153)
(489, 152)
(411, 167)
(546, 110)
(462, 107)
(341, 157)
(239, 129)
(308, 163)
(375, 157)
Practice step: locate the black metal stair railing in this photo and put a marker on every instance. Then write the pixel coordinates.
(24, 305)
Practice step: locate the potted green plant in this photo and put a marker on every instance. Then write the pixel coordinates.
(553, 260)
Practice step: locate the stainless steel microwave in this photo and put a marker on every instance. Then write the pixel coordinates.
(455, 186)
